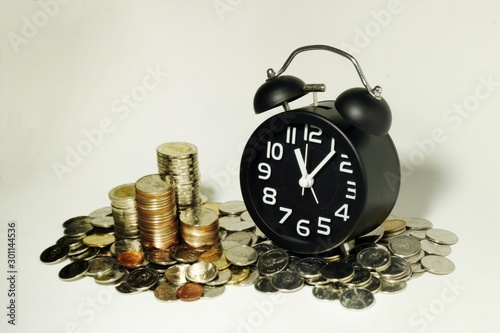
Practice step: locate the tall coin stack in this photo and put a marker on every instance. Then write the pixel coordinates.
(124, 211)
(199, 228)
(156, 206)
(179, 160)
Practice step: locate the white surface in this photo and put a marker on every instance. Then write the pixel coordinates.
(68, 75)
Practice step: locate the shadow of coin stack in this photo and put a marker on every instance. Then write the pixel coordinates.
(157, 211)
(123, 207)
(199, 228)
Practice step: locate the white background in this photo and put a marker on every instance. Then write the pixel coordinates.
(65, 69)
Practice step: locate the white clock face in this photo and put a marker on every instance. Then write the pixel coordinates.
(303, 182)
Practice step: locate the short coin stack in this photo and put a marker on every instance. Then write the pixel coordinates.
(179, 160)
(124, 211)
(157, 211)
(199, 228)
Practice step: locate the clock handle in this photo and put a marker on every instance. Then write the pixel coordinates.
(375, 92)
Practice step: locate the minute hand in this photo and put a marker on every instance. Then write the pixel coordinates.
(324, 161)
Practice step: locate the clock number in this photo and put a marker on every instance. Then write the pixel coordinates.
(269, 197)
(345, 165)
(342, 212)
(302, 228)
(274, 150)
(291, 133)
(323, 229)
(287, 211)
(265, 169)
(351, 190)
(311, 133)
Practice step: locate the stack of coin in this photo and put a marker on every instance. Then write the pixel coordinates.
(157, 211)
(179, 160)
(124, 211)
(199, 228)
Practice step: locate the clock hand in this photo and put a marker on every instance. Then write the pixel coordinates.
(324, 161)
(305, 180)
(300, 161)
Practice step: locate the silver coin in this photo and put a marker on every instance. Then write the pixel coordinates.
(213, 291)
(222, 277)
(374, 258)
(77, 221)
(417, 269)
(309, 267)
(72, 242)
(287, 281)
(416, 258)
(104, 211)
(91, 253)
(420, 234)
(78, 230)
(234, 207)
(442, 236)
(123, 245)
(82, 248)
(361, 278)
(404, 246)
(374, 285)
(398, 268)
(125, 288)
(113, 276)
(392, 287)
(263, 284)
(225, 222)
(437, 264)
(417, 223)
(434, 248)
(356, 299)
(241, 237)
(55, 254)
(101, 265)
(272, 262)
(74, 271)
(227, 244)
(142, 278)
(241, 226)
(201, 272)
(262, 248)
(337, 272)
(185, 255)
(326, 292)
(242, 255)
(176, 274)
(245, 216)
(103, 222)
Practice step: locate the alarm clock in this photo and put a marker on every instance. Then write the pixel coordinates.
(317, 176)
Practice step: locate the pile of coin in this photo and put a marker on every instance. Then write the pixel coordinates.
(124, 211)
(383, 260)
(179, 160)
(157, 211)
(199, 228)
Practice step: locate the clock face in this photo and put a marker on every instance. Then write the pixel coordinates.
(302, 182)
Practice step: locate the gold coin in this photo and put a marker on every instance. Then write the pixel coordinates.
(393, 226)
(238, 274)
(100, 241)
(221, 262)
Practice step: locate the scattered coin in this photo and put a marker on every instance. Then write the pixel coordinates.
(264, 285)
(356, 299)
(434, 248)
(337, 272)
(213, 291)
(404, 246)
(326, 292)
(101, 265)
(309, 267)
(142, 279)
(112, 276)
(99, 240)
(130, 259)
(190, 291)
(287, 281)
(166, 292)
(242, 255)
(374, 258)
(417, 223)
(74, 271)
(272, 262)
(176, 274)
(392, 287)
(55, 254)
(442, 236)
(437, 264)
(201, 272)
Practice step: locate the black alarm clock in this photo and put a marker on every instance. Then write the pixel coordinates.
(315, 177)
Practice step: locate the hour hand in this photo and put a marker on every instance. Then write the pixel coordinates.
(300, 161)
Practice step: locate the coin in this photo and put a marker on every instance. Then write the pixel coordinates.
(234, 207)
(104, 211)
(264, 285)
(374, 286)
(213, 291)
(77, 221)
(210, 255)
(176, 274)
(125, 245)
(391, 287)
(74, 270)
(326, 292)
(417, 223)
(287, 281)
(190, 291)
(404, 246)
(262, 248)
(161, 257)
(374, 258)
(272, 262)
(221, 262)
(398, 268)
(166, 292)
(130, 259)
(238, 274)
(361, 278)
(337, 271)
(356, 299)
(373, 236)
(309, 267)
(242, 237)
(101, 265)
(251, 278)
(240, 226)
(242, 255)
(437, 264)
(223, 276)
(393, 226)
(99, 241)
(112, 276)
(125, 288)
(55, 254)
(442, 236)
(185, 255)
(78, 230)
(434, 248)
(201, 272)
(142, 278)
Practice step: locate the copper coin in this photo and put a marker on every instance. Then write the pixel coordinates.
(130, 259)
(210, 255)
(190, 291)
